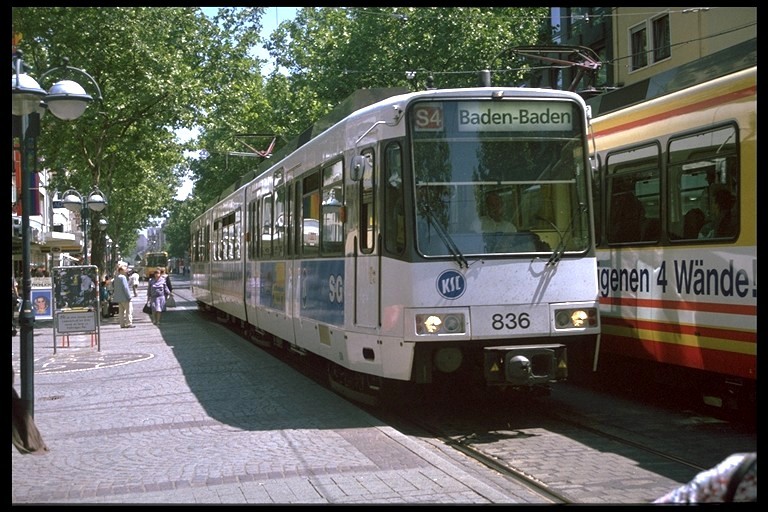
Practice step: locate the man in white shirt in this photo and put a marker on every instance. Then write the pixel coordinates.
(493, 221)
(494, 227)
(133, 280)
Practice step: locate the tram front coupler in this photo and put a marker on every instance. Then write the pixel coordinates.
(524, 365)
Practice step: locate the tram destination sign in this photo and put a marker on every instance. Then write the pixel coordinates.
(515, 115)
(497, 116)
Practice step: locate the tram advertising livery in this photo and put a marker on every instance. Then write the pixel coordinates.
(434, 238)
(677, 244)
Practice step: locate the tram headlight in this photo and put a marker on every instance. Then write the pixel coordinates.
(575, 318)
(450, 323)
(432, 324)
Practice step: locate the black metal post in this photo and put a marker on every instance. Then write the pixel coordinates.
(30, 126)
(27, 129)
(84, 216)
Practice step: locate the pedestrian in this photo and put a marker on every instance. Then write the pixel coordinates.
(105, 296)
(167, 277)
(122, 295)
(157, 292)
(133, 279)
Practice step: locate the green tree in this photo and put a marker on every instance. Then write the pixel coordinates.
(176, 230)
(325, 54)
(330, 52)
(165, 68)
(159, 69)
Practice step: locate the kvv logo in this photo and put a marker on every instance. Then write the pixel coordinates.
(451, 284)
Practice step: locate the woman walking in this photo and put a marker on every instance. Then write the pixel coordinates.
(157, 292)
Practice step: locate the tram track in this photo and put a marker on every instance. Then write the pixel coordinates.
(569, 456)
(488, 433)
(577, 446)
(628, 442)
(519, 477)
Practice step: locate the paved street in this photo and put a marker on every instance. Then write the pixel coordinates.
(188, 412)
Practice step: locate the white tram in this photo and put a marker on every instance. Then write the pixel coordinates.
(440, 236)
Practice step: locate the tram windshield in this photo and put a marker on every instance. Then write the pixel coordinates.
(499, 177)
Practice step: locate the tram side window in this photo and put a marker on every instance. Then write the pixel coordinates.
(278, 230)
(310, 215)
(332, 229)
(230, 245)
(633, 188)
(288, 223)
(266, 226)
(199, 246)
(207, 243)
(251, 239)
(278, 215)
(224, 253)
(704, 185)
(394, 204)
(194, 253)
(227, 232)
(216, 241)
(367, 206)
(236, 232)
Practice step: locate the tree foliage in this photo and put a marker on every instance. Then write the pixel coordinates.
(158, 70)
(177, 232)
(330, 52)
(325, 54)
(161, 69)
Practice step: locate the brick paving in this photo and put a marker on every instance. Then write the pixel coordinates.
(188, 412)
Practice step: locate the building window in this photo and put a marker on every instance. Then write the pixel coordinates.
(661, 49)
(639, 45)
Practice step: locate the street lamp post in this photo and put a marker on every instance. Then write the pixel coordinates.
(66, 100)
(73, 201)
(102, 225)
(109, 244)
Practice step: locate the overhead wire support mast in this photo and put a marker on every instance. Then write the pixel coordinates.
(255, 152)
(583, 59)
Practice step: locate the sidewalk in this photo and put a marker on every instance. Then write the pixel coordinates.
(188, 412)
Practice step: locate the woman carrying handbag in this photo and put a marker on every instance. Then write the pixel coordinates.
(157, 292)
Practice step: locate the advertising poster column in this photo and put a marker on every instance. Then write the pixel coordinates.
(76, 303)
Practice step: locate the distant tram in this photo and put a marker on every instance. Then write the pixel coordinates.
(373, 246)
(153, 261)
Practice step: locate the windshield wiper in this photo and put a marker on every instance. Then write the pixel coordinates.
(445, 237)
(557, 254)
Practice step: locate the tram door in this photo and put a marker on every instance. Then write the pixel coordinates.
(367, 273)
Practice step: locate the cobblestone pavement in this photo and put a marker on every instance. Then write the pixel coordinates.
(188, 412)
